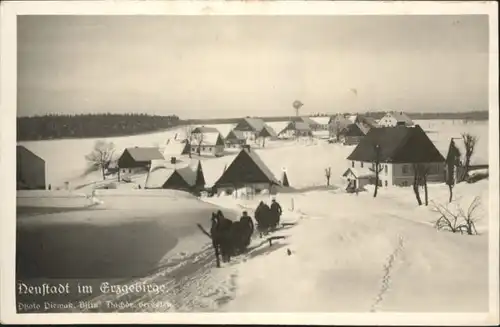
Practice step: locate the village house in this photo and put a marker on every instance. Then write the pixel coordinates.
(138, 159)
(336, 124)
(247, 170)
(313, 125)
(353, 133)
(30, 170)
(189, 179)
(185, 176)
(207, 141)
(321, 123)
(296, 129)
(400, 148)
(253, 128)
(235, 139)
(394, 118)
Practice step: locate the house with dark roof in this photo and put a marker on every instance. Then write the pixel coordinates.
(138, 159)
(235, 139)
(394, 118)
(253, 128)
(30, 170)
(247, 170)
(296, 129)
(400, 147)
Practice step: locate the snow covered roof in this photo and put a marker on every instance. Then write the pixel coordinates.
(397, 144)
(160, 173)
(241, 171)
(400, 117)
(308, 121)
(174, 148)
(267, 131)
(235, 135)
(297, 126)
(257, 124)
(210, 139)
(358, 173)
(205, 129)
(145, 154)
(321, 120)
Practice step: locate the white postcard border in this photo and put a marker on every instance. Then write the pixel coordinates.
(9, 11)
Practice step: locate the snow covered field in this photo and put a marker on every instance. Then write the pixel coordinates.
(359, 254)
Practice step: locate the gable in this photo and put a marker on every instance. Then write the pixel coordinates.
(176, 181)
(246, 169)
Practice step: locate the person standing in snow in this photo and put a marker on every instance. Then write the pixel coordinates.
(277, 211)
(247, 226)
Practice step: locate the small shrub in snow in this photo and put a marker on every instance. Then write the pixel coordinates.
(456, 220)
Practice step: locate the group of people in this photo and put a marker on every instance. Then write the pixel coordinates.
(268, 217)
(230, 238)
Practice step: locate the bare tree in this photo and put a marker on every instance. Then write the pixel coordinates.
(416, 183)
(421, 172)
(101, 156)
(377, 168)
(335, 129)
(459, 221)
(470, 144)
(328, 174)
(198, 138)
(188, 131)
(450, 178)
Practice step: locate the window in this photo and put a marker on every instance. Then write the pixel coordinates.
(361, 164)
(209, 149)
(385, 183)
(405, 169)
(130, 170)
(203, 148)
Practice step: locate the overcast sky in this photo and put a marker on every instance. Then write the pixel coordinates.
(222, 66)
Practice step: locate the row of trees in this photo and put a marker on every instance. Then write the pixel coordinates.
(53, 126)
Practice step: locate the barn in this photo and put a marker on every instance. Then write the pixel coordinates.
(30, 170)
(247, 170)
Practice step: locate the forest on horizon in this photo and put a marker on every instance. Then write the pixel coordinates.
(54, 126)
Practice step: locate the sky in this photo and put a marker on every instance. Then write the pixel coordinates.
(232, 66)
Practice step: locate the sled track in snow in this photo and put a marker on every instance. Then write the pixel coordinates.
(386, 279)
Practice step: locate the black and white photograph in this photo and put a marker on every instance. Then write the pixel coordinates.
(233, 159)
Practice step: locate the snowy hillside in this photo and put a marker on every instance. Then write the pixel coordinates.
(358, 254)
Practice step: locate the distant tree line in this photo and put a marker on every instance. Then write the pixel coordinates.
(53, 126)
